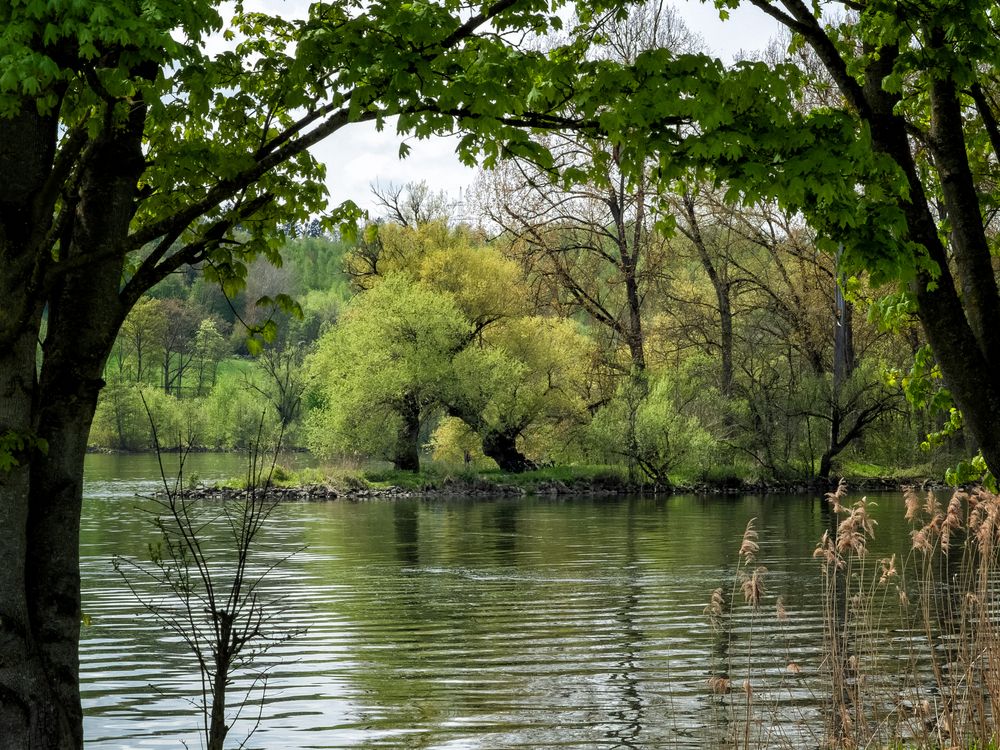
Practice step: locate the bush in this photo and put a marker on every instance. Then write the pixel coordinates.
(233, 418)
(655, 427)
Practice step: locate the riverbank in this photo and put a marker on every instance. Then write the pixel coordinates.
(544, 482)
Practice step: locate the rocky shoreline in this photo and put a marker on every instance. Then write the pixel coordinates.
(584, 487)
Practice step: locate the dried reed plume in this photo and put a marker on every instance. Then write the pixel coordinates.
(923, 540)
(719, 684)
(780, 611)
(932, 507)
(941, 525)
(856, 529)
(752, 585)
(716, 607)
(828, 551)
(837, 495)
(888, 565)
(952, 519)
(984, 521)
(912, 502)
(749, 547)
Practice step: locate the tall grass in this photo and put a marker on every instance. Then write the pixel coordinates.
(911, 644)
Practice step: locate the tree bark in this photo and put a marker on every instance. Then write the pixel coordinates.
(961, 329)
(501, 446)
(32, 713)
(721, 288)
(82, 325)
(41, 499)
(843, 367)
(407, 453)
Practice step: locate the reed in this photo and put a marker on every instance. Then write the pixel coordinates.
(911, 643)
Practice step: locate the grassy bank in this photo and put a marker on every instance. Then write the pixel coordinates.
(436, 478)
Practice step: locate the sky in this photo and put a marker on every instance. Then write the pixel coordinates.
(358, 156)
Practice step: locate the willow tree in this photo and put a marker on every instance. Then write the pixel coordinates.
(382, 370)
(128, 151)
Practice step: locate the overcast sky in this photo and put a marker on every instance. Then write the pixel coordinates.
(357, 156)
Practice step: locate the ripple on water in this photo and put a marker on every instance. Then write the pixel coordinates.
(490, 624)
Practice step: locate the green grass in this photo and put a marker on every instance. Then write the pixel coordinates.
(380, 475)
(436, 476)
(234, 369)
(863, 470)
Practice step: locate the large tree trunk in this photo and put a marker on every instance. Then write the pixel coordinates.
(41, 498)
(32, 712)
(962, 329)
(407, 453)
(83, 320)
(501, 446)
(721, 288)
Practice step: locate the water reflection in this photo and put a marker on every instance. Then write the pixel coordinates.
(509, 623)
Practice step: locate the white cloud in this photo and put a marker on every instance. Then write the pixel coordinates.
(358, 156)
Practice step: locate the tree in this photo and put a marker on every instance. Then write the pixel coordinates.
(657, 427)
(899, 173)
(140, 334)
(177, 345)
(209, 349)
(513, 371)
(799, 313)
(411, 205)
(284, 380)
(584, 229)
(205, 584)
(591, 247)
(127, 152)
(381, 370)
(524, 374)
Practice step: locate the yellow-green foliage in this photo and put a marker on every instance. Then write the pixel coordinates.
(234, 416)
(486, 286)
(123, 423)
(454, 442)
(530, 372)
(397, 248)
(394, 342)
(443, 322)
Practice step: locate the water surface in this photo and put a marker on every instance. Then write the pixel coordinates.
(507, 623)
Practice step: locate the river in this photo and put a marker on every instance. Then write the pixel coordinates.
(448, 623)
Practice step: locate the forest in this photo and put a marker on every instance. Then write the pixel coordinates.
(540, 324)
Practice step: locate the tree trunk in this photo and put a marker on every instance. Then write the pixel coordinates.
(636, 342)
(826, 461)
(502, 448)
(32, 713)
(41, 539)
(721, 288)
(217, 728)
(843, 368)
(80, 335)
(726, 341)
(407, 453)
